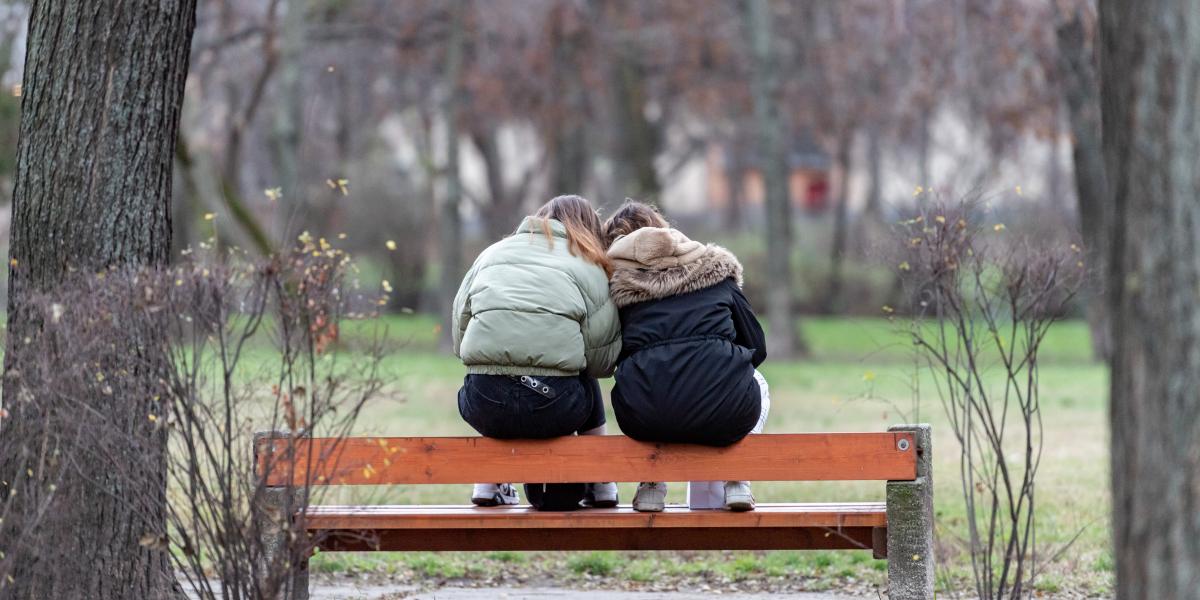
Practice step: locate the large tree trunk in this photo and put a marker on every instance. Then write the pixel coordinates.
(1081, 91)
(103, 87)
(783, 342)
(1150, 69)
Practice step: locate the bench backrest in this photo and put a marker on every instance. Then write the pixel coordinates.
(427, 460)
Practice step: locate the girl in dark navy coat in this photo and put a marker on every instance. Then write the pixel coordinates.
(690, 345)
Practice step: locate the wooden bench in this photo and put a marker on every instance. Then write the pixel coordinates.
(900, 529)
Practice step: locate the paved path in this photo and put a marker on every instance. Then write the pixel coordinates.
(349, 591)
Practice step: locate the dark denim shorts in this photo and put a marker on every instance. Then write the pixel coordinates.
(500, 406)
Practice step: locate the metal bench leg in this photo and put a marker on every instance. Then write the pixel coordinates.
(910, 525)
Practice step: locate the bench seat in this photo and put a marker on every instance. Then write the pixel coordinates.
(854, 525)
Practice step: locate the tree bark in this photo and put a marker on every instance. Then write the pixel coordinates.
(1150, 74)
(1081, 91)
(103, 86)
(783, 341)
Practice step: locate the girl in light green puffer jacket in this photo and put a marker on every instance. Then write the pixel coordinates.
(535, 327)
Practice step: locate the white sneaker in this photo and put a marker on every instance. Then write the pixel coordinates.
(738, 497)
(600, 495)
(650, 497)
(494, 494)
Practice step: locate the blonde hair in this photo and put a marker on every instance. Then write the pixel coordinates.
(631, 217)
(585, 236)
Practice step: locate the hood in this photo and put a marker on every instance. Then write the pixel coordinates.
(653, 263)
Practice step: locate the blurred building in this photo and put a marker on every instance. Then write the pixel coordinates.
(727, 179)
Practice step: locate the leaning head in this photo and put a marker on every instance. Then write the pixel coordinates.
(631, 217)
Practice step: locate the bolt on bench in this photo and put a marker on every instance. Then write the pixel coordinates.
(900, 529)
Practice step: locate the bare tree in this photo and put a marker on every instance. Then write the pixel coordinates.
(450, 237)
(93, 188)
(1149, 57)
(1081, 92)
(783, 341)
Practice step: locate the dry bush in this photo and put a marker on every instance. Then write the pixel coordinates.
(983, 299)
(210, 352)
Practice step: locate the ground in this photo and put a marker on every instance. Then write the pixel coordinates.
(861, 377)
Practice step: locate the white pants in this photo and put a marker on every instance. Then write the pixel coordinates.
(711, 494)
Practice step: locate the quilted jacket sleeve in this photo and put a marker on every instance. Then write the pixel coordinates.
(460, 314)
(601, 327)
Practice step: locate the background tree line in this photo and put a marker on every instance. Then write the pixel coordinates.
(433, 125)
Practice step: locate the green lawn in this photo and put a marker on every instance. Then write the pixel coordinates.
(861, 377)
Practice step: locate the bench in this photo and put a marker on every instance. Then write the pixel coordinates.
(900, 529)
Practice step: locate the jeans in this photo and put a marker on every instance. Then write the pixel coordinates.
(503, 407)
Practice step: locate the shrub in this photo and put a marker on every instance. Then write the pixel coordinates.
(982, 305)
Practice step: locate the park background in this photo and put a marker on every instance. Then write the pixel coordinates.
(412, 134)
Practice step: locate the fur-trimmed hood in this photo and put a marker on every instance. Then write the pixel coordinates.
(653, 263)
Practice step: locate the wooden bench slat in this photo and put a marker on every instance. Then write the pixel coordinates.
(448, 460)
(864, 506)
(674, 538)
(862, 514)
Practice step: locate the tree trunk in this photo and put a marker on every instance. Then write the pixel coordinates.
(837, 251)
(924, 148)
(1081, 91)
(1150, 70)
(783, 342)
(229, 177)
(570, 109)
(638, 138)
(103, 86)
(873, 210)
(735, 177)
(450, 236)
(501, 211)
(289, 113)
(186, 204)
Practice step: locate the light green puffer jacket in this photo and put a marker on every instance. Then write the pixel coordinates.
(527, 307)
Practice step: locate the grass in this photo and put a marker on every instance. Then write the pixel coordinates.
(861, 376)
(600, 564)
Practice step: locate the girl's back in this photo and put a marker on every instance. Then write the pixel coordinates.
(690, 341)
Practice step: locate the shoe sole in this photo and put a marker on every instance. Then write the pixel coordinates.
(601, 504)
(650, 508)
(740, 506)
(487, 502)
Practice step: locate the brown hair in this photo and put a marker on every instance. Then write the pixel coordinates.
(585, 236)
(631, 217)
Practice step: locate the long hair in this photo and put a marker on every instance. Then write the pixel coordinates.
(631, 217)
(585, 236)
